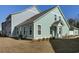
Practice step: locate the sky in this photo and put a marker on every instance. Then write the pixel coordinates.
(70, 11)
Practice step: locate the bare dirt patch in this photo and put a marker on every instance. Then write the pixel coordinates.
(10, 45)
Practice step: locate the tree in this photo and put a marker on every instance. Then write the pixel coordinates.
(71, 22)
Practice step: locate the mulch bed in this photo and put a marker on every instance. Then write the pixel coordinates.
(65, 45)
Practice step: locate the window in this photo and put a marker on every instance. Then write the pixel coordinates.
(55, 17)
(30, 30)
(60, 30)
(9, 32)
(50, 30)
(20, 32)
(59, 18)
(24, 30)
(17, 30)
(39, 29)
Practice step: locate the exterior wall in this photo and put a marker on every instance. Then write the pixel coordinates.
(46, 21)
(3, 28)
(27, 31)
(0, 27)
(8, 27)
(21, 17)
(71, 32)
(75, 32)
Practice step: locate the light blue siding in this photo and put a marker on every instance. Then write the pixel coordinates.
(27, 31)
(46, 21)
(75, 31)
(20, 17)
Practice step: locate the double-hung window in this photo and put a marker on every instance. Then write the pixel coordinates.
(55, 17)
(39, 29)
(24, 30)
(30, 30)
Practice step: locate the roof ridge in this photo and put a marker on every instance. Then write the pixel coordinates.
(37, 15)
(33, 6)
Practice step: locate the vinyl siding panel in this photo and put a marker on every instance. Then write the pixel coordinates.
(27, 31)
(23, 16)
(46, 21)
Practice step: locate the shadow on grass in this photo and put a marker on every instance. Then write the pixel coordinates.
(65, 45)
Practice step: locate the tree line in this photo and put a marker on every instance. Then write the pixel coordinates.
(73, 22)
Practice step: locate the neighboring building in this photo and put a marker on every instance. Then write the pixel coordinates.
(73, 31)
(49, 23)
(14, 19)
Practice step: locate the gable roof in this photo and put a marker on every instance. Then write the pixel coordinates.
(32, 9)
(35, 17)
(29, 8)
(73, 27)
(39, 15)
(64, 17)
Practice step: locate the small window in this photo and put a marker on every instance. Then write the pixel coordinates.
(55, 17)
(60, 30)
(50, 30)
(24, 30)
(20, 32)
(9, 32)
(17, 30)
(30, 30)
(39, 29)
(59, 18)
